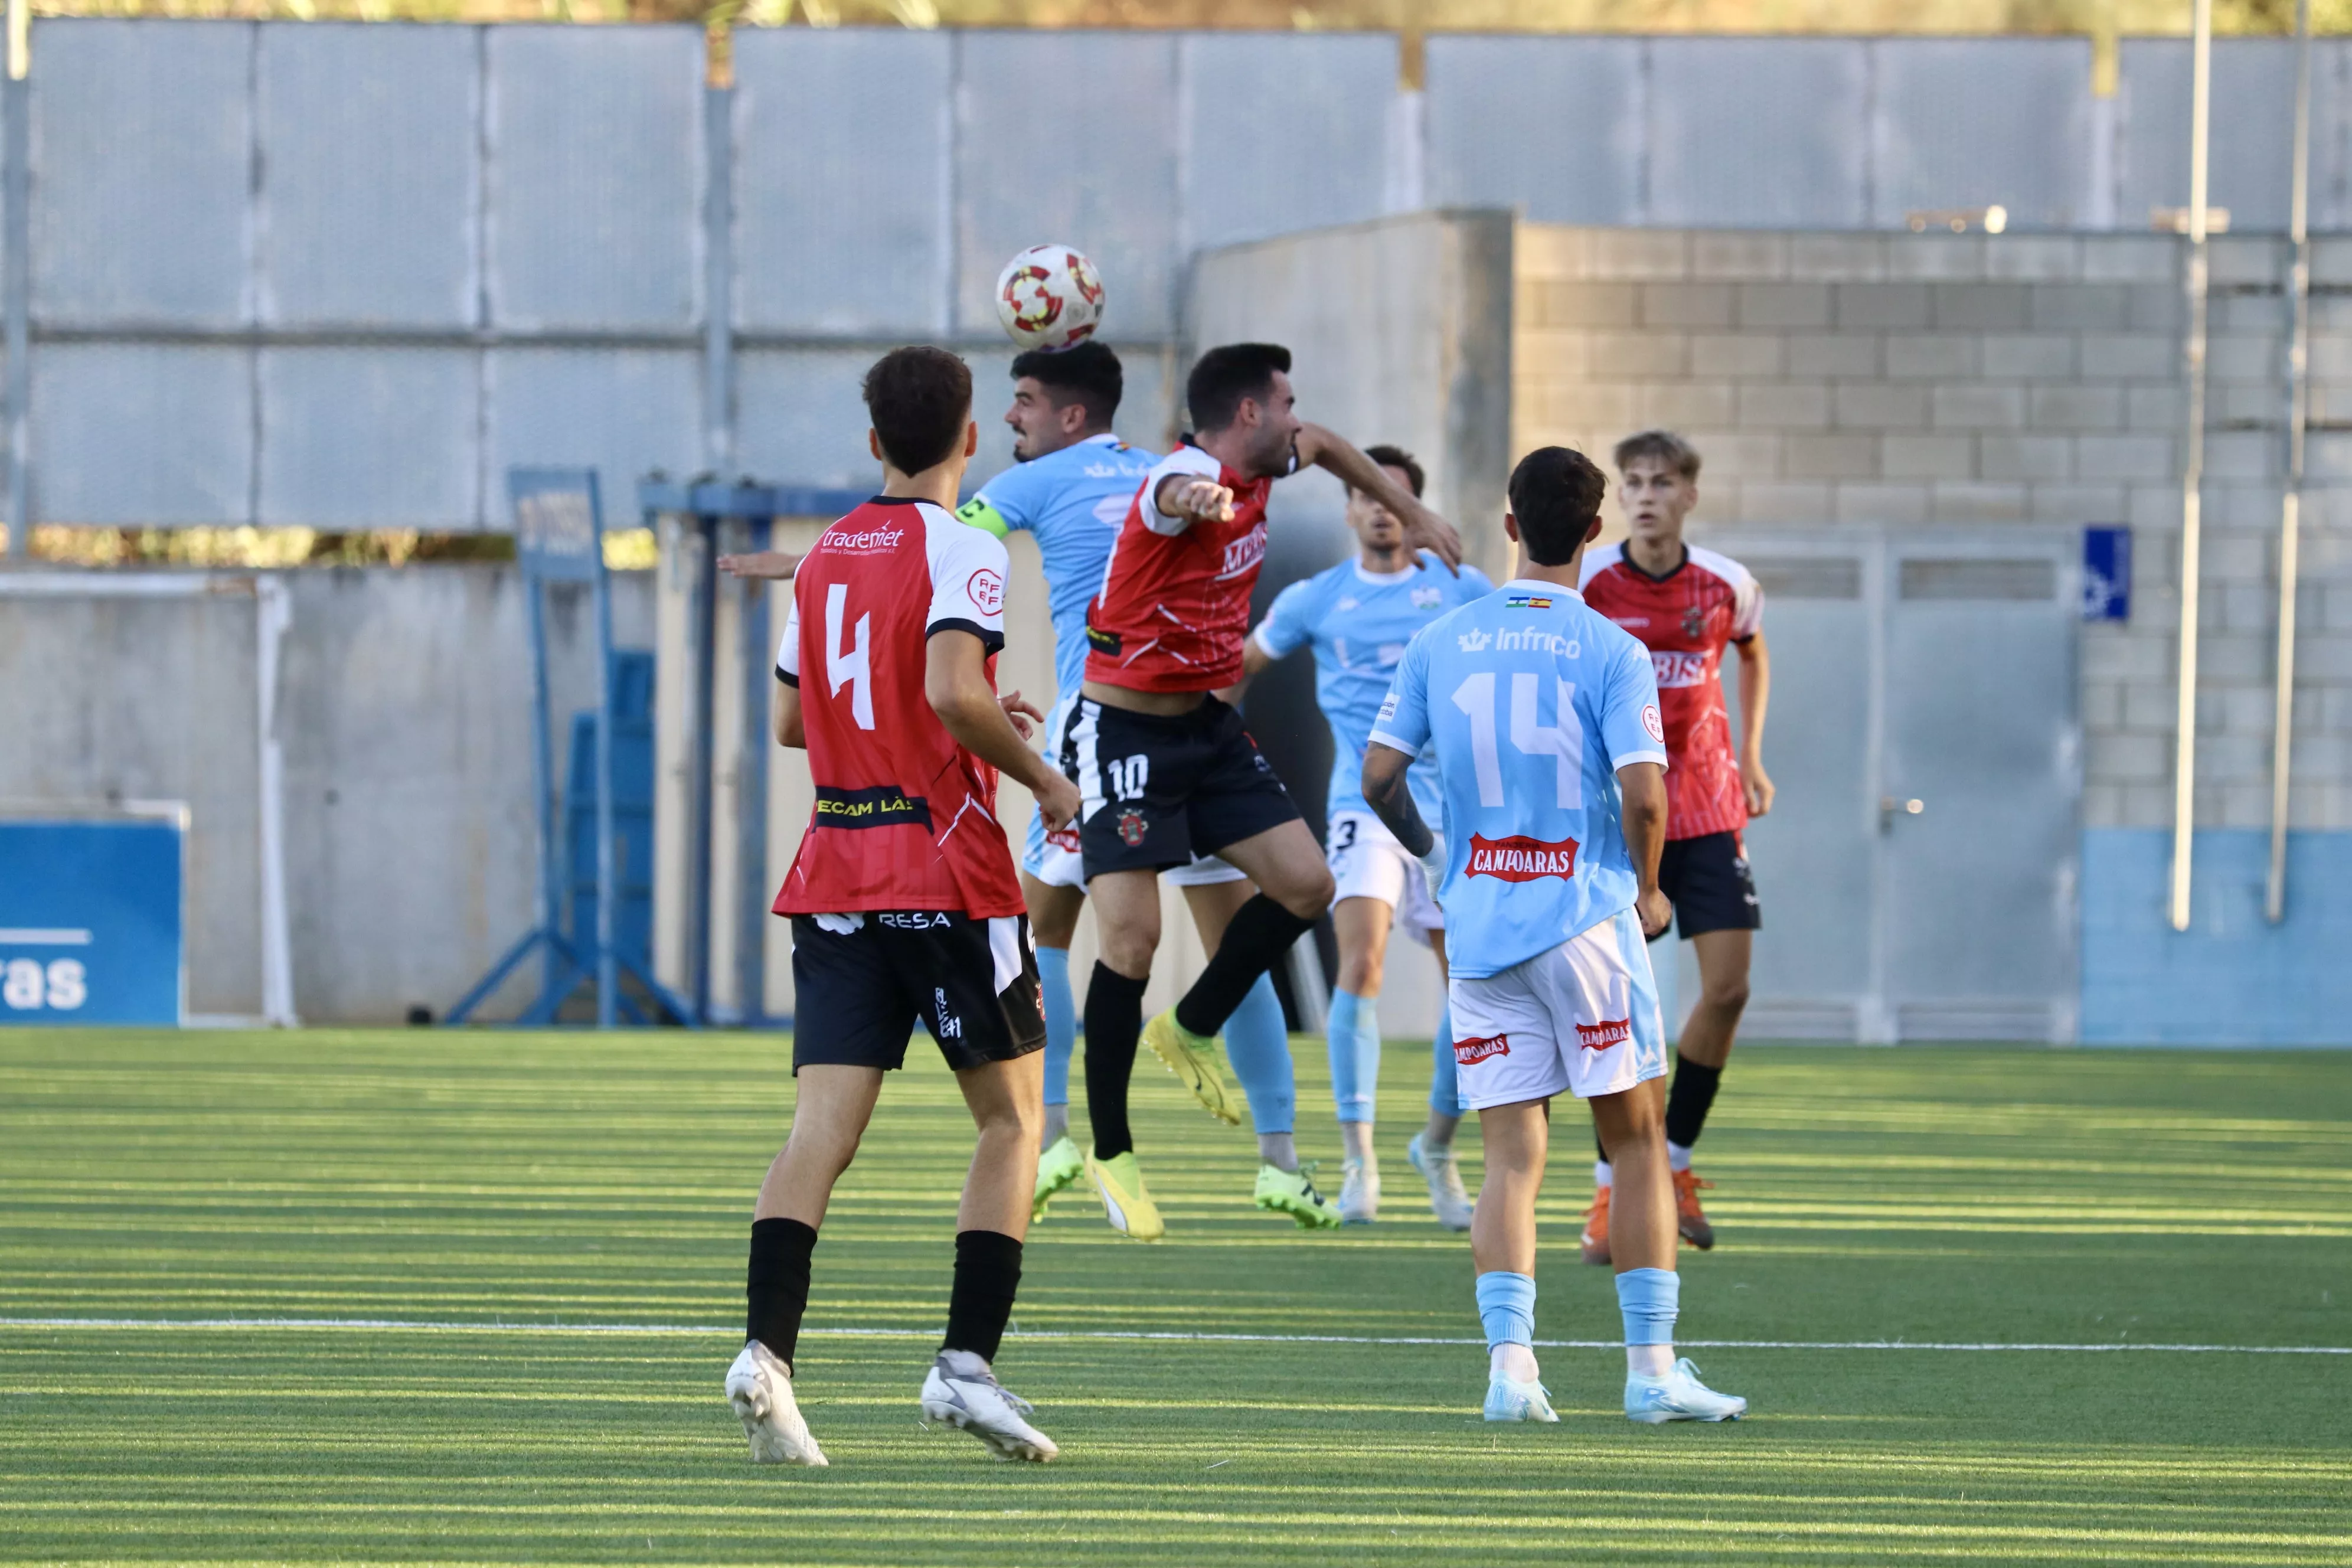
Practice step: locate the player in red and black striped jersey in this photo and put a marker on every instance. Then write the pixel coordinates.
(903, 898)
(1166, 770)
(1687, 606)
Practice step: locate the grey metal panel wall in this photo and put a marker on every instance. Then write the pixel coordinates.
(841, 179)
(371, 146)
(1068, 138)
(1969, 123)
(2253, 129)
(141, 433)
(1282, 131)
(370, 436)
(1759, 132)
(597, 174)
(1554, 125)
(143, 170)
(620, 411)
(800, 414)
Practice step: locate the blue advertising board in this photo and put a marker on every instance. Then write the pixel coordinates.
(2106, 572)
(89, 922)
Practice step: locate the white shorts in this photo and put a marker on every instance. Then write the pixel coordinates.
(1053, 857)
(1582, 1017)
(1368, 862)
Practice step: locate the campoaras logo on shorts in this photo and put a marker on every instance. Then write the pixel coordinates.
(1469, 1052)
(1601, 1035)
(1519, 858)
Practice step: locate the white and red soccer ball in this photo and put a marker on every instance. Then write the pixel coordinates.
(1049, 297)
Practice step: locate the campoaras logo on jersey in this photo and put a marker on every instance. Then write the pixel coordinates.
(1519, 858)
(1601, 1035)
(985, 589)
(1471, 1052)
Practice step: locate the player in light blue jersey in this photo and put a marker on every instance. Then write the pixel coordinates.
(1070, 488)
(1542, 717)
(1358, 616)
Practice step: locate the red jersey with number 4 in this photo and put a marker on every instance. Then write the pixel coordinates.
(1684, 618)
(1175, 595)
(905, 817)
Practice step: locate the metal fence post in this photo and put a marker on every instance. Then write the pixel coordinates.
(17, 243)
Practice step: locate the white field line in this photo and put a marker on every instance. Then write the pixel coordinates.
(715, 1329)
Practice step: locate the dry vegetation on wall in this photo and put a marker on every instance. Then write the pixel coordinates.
(2096, 17)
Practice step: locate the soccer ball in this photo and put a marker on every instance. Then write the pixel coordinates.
(1049, 297)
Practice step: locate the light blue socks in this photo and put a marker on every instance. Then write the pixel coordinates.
(1506, 1306)
(1649, 1299)
(1355, 1044)
(1061, 1021)
(1257, 1044)
(1444, 1093)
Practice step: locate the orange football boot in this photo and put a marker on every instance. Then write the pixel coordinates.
(1594, 1242)
(1689, 1219)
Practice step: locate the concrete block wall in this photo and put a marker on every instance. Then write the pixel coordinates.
(1973, 379)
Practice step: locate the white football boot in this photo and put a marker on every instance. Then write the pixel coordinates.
(975, 1401)
(1448, 1197)
(1679, 1395)
(759, 1387)
(1359, 1192)
(1508, 1399)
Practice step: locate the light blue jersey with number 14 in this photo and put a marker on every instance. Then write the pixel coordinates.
(1530, 701)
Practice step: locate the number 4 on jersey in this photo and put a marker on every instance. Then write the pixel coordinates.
(1562, 740)
(848, 667)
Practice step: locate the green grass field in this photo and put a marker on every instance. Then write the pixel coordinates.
(511, 1198)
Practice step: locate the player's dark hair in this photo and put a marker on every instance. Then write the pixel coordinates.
(919, 399)
(1225, 376)
(1664, 447)
(1556, 493)
(1087, 372)
(1398, 458)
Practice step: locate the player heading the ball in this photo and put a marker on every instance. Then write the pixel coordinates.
(903, 898)
(1551, 760)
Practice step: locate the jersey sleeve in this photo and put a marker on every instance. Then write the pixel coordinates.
(1402, 723)
(1290, 626)
(1631, 726)
(968, 567)
(1004, 503)
(788, 652)
(1598, 559)
(1747, 606)
(1190, 461)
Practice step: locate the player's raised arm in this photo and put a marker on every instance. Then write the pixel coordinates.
(1423, 529)
(762, 565)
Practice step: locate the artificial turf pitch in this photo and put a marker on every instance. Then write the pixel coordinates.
(526, 1192)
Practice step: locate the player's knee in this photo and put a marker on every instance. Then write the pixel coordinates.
(1726, 995)
(1312, 898)
(1129, 950)
(1361, 974)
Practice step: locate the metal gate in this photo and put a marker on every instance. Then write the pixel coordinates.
(1918, 868)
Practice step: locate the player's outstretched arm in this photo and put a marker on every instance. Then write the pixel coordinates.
(767, 566)
(1423, 529)
(1393, 803)
(1755, 693)
(1644, 788)
(955, 683)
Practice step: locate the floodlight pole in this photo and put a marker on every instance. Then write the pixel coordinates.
(2192, 471)
(2298, 410)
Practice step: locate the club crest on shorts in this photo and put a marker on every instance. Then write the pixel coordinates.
(1601, 1035)
(1469, 1052)
(1131, 829)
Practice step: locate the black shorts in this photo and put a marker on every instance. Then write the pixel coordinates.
(1707, 882)
(858, 993)
(1159, 789)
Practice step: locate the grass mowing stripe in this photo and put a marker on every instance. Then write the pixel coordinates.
(715, 1329)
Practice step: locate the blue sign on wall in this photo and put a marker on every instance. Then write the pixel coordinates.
(89, 922)
(2106, 572)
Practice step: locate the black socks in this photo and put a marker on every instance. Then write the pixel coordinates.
(1687, 1100)
(777, 1284)
(1114, 1020)
(987, 1273)
(1261, 932)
